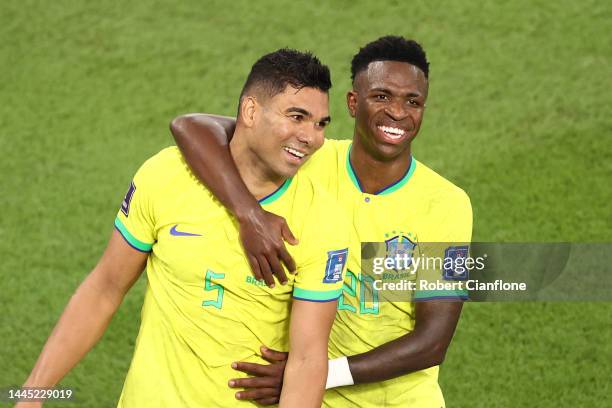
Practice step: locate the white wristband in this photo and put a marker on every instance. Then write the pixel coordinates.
(338, 373)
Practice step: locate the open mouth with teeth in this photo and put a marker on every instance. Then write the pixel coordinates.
(294, 153)
(391, 134)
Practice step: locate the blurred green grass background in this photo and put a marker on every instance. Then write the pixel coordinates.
(519, 115)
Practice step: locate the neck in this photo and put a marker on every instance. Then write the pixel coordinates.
(259, 179)
(375, 175)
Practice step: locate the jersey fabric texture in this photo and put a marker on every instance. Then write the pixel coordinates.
(421, 208)
(203, 310)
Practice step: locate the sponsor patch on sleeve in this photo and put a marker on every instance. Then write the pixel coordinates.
(335, 264)
(455, 267)
(125, 205)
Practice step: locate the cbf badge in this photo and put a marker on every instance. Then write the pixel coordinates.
(454, 263)
(335, 264)
(125, 205)
(400, 246)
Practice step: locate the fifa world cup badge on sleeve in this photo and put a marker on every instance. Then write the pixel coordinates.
(125, 205)
(454, 263)
(335, 264)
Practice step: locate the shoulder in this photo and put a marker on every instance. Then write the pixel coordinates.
(441, 191)
(320, 210)
(165, 166)
(327, 155)
(335, 148)
(166, 159)
(329, 221)
(447, 207)
(166, 175)
(326, 203)
(313, 195)
(325, 165)
(337, 144)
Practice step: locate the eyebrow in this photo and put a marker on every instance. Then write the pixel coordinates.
(385, 90)
(306, 113)
(299, 110)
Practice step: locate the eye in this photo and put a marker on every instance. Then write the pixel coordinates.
(296, 117)
(414, 102)
(322, 124)
(381, 97)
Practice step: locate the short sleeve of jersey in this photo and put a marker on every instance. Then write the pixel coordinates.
(325, 253)
(443, 273)
(135, 219)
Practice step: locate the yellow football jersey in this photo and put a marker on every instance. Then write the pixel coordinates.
(203, 310)
(422, 207)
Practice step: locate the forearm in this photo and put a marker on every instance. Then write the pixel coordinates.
(304, 374)
(393, 359)
(306, 370)
(205, 145)
(81, 325)
(424, 347)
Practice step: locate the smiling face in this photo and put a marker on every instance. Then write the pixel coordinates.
(287, 128)
(387, 102)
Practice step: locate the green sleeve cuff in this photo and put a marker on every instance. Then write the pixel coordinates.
(315, 295)
(131, 239)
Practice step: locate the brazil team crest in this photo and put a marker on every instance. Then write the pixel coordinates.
(401, 246)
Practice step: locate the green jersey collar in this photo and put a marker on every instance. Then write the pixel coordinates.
(270, 198)
(387, 190)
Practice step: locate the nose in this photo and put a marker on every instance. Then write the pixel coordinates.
(310, 137)
(396, 110)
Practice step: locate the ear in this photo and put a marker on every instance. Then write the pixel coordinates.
(248, 109)
(351, 102)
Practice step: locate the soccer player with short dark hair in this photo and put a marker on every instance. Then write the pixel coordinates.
(203, 310)
(390, 350)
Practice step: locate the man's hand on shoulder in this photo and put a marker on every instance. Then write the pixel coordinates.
(263, 236)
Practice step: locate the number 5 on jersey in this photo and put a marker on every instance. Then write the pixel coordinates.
(209, 286)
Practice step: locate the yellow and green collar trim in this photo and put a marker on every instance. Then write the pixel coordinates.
(387, 190)
(277, 193)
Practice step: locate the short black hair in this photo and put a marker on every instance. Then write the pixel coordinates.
(390, 48)
(273, 72)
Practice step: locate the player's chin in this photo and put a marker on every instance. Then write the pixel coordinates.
(288, 167)
(388, 151)
(285, 169)
(288, 170)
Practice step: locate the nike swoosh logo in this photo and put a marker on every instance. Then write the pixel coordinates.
(177, 233)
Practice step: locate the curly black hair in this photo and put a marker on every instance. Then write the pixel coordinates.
(390, 48)
(273, 72)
